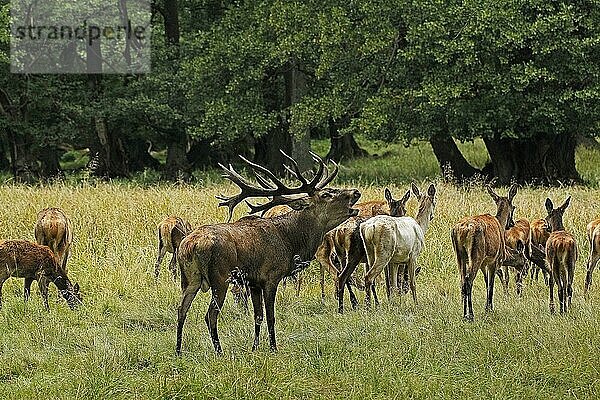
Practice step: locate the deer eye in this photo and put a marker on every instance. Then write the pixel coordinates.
(325, 195)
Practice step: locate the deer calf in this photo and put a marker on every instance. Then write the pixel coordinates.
(53, 229)
(593, 235)
(561, 255)
(24, 259)
(171, 232)
(479, 245)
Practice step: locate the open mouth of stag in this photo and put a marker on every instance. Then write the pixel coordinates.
(353, 212)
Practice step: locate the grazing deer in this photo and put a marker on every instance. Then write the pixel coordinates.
(593, 235)
(24, 259)
(342, 247)
(396, 241)
(53, 229)
(171, 232)
(264, 249)
(539, 234)
(517, 243)
(479, 244)
(561, 255)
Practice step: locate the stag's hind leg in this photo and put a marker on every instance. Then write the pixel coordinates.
(27, 288)
(257, 305)
(214, 308)
(591, 265)
(411, 279)
(490, 276)
(270, 293)
(189, 292)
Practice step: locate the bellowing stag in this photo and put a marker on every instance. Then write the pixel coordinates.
(396, 242)
(479, 245)
(593, 235)
(264, 250)
(561, 255)
(53, 229)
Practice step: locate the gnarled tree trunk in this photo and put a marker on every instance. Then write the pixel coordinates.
(453, 164)
(342, 147)
(543, 159)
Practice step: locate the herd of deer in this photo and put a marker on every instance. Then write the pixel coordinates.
(311, 221)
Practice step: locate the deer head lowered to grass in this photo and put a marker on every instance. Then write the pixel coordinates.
(24, 259)
(265, 249)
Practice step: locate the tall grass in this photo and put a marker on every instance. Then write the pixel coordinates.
(120, 344)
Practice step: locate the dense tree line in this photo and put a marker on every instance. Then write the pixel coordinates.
(235, 77)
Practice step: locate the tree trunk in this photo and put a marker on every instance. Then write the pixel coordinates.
(453, 164)
(343, 147)
(137, 151)
(295, 87)
(266, 149)
(178, 166)
(546, 160)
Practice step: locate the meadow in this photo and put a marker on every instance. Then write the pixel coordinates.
(121, 342)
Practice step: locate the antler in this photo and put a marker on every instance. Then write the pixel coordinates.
(270, 186)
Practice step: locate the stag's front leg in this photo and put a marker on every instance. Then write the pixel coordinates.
(270, 293)
(257, 304)
(189, 292)
(216, 304)
(43, 283)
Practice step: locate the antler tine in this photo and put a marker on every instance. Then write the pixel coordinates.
(296, 172)
(265, 171)
(262, 181)
(325, 181)
(276, 201)
(322, 168)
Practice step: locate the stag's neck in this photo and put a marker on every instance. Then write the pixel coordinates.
(303, 232)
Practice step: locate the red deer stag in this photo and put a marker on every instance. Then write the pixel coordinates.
(593, 235)
(265, 250)
(24, 259)
(479, 244)
(171, 232)
(53, 229)
(342, 247)
(561, 254)
(395, 242)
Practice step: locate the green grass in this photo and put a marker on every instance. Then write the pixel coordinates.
(120, 344)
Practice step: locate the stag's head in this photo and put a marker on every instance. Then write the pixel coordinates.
(554, 220)
(397, 207)
(332, 206)
(504, 206)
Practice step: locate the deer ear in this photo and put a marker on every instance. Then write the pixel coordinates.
(415, 189)
(299, 204)
(549, 205)
(388, 195)
(431, 191)
(566, 204)
(495, 197)
(512, 192)
(406, 196)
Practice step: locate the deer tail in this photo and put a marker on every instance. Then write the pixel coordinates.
(195, 255)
